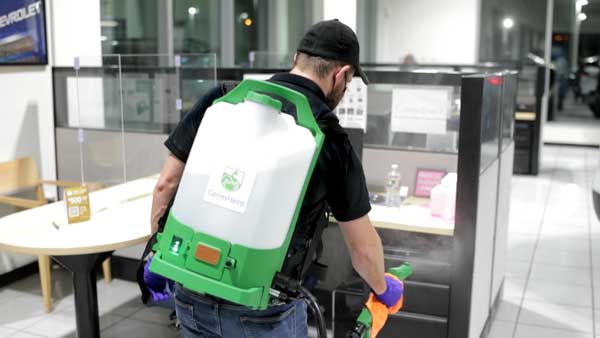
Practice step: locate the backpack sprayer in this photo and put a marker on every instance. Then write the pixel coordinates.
(230, 227)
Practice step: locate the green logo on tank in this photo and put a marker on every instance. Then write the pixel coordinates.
(232, 179)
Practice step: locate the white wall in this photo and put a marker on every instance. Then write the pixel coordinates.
(76, 31)
(27, 112)
(433, 31)
(27, 125)
(343, 10)
(484, 239)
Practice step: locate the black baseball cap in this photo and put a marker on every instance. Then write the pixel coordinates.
(333, 40)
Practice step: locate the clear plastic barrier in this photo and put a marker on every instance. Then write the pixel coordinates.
(150, 87)
(123, 107)
(86, 153)
(159, 89)
(198, 76)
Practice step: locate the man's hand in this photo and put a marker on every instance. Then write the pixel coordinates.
(165, 189)
(393, 292)
(156, 284)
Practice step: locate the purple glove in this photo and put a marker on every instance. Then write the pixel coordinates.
(393, 292)
(157, 284)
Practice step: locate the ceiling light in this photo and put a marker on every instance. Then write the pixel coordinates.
(508, 23)
(582, 16)
(192, 10)
(109, 23)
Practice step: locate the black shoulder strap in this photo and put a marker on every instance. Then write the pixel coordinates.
(331, 127)
(227, 86)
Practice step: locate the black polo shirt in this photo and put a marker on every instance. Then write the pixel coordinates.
(338, 179)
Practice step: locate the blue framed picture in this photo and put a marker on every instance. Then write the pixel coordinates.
(23, 32)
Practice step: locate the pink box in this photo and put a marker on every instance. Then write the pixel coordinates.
(426, 180)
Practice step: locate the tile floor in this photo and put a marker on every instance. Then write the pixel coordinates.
(121, 312)
(552, 286)
(574, 125)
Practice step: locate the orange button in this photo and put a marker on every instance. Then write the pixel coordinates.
(207, 254)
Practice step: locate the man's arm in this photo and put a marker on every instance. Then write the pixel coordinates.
(165, 188)
(366, 251)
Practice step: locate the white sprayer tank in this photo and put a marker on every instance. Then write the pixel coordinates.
(244, 175)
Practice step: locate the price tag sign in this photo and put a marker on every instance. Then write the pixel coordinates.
(78, 204)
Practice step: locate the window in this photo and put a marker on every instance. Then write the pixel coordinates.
(196, 26)
(129, 26)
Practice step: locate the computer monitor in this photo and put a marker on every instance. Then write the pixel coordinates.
(356, 136)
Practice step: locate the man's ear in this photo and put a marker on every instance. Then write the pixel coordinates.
(340, 75)
(295, 56)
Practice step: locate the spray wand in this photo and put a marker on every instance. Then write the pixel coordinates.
(364, 322)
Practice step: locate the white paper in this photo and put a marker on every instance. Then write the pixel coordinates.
(420, 110)
(352, 110)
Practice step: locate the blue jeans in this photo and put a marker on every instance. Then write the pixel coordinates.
(205, 317)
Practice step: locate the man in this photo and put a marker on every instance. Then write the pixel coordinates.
(326, 60)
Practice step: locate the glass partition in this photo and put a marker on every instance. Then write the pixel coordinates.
(198, 75)
(92, 102)
(158, 89)
(124, 106)
(526, 93)
(413, 110)
(490, 120)
(150, 88)
(509, 98)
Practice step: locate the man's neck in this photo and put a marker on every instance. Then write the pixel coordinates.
(321, 83)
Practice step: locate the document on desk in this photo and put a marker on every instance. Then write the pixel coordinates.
(422, 110)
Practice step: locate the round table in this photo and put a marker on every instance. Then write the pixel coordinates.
(120, 218)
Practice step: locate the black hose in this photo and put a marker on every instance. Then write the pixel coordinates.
(316, 310)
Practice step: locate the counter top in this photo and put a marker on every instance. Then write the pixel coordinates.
(413, 216)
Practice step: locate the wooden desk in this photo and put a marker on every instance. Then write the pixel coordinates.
(120, 218)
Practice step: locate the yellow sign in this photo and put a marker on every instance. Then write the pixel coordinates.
(78, 204)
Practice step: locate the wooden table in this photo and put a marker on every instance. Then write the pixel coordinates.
(120, 218)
